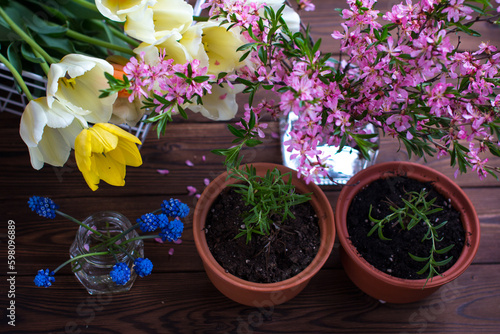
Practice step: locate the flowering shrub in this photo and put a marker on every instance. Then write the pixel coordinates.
(401, 71)
(166, 229)
(404, 72)
(404, 75)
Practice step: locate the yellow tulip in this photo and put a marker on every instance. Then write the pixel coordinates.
(103, 151)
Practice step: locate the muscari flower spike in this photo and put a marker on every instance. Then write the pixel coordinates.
(143, 266)
(44, 278)
(172, 231)
(43, 206)
(174, 208)
(148, 222)
(120, 273)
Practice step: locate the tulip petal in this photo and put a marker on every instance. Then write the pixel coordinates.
(109, 170)
(76, 82)
(127, 153)
(83, 150)
(118, 132)
(36, 157)
(103, 139)
(33, 121)
(118, 10)
(221, 105)
(220, 45)
(165, 16)
(54, 148)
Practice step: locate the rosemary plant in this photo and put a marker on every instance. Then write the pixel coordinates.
(269, 197)
(417, 208)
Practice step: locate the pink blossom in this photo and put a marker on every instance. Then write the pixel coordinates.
(401, 122)
(390, 49)
(457, 10)
(478, 164)
(307, 5)
(163, 171)
(191, 190)
(189, 163)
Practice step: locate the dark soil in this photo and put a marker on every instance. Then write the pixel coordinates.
(391, 256)
(287, 251)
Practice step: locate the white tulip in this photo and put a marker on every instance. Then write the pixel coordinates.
(118, 10)
(49, 132)
(76, 82)
(173, 49)
(128, 113)
(163, 17)
(221, 105)
(220, 45)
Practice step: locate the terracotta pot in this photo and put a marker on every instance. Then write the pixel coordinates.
(263, 294)
(381, 285)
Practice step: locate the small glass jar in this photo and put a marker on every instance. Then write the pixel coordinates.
(93, 271)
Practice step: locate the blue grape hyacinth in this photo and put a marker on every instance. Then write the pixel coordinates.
(172, 231)
(44, 278)
(174, 208)
(148, 222)
(143, 266)
(43, 206)
(120, 273)
(111, 245)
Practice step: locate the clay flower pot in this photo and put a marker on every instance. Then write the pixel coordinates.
(263, 294)
(381, 285)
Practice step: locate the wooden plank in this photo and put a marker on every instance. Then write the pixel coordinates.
(188, 303)
(34, 233)
(168, 153)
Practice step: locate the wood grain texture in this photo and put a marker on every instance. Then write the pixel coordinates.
(188, 303)
(178, 297)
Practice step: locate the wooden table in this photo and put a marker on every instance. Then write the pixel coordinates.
(178, 297)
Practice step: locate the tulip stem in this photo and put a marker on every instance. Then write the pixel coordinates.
(45, 67)
(25, 36)
(81, 256)
(16, 76)
(95, 41)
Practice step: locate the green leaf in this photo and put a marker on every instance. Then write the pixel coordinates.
(418, 258)
(61, 45)
(13, 56)
(28, 54)
(443, 263)
(467, 30)
(246, 46)
(42, 27)
(237, 132)
(444, 250)
(252, 142)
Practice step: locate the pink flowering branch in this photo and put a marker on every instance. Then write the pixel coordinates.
(400, 74)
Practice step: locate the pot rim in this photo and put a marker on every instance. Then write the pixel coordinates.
(327, 237)
(460, 202)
